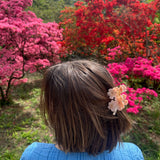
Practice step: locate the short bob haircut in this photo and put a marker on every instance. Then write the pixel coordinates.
(74, 103)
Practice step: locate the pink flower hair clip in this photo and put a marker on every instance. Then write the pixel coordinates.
(118, 101)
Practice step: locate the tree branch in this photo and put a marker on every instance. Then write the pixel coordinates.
(2, 94)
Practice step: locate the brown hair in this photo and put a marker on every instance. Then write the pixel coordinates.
(74, 102)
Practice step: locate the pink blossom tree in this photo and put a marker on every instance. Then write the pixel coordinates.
(26, 44)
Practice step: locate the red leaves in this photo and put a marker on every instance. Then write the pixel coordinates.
(78, 4)
(130, 22)
(107, 40)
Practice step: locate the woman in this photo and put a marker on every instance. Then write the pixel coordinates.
(81, 104)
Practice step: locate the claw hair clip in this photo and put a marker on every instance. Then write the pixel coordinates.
(118, 100)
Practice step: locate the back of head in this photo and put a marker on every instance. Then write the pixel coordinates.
(74, 103)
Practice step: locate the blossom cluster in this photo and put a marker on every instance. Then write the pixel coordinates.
(113, 53)
(136, 68)
(118, 71)
(143, 67)
(136, 97)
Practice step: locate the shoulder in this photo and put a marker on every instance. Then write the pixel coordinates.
(37, 150)
(128, 151)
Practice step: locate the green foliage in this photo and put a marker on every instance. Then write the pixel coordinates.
(146, 130)
(49, 10)
(143, 82)
(157, 19)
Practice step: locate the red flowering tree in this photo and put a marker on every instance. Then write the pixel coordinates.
(93, 27)
(120, 31)
(26, 44)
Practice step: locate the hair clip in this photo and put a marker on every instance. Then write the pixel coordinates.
(118, 101)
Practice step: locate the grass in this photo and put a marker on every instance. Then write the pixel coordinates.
(21, 124)
(146, 130)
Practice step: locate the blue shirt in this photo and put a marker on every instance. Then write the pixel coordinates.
(44, 151)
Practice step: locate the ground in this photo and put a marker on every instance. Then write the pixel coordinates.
(21, 124)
